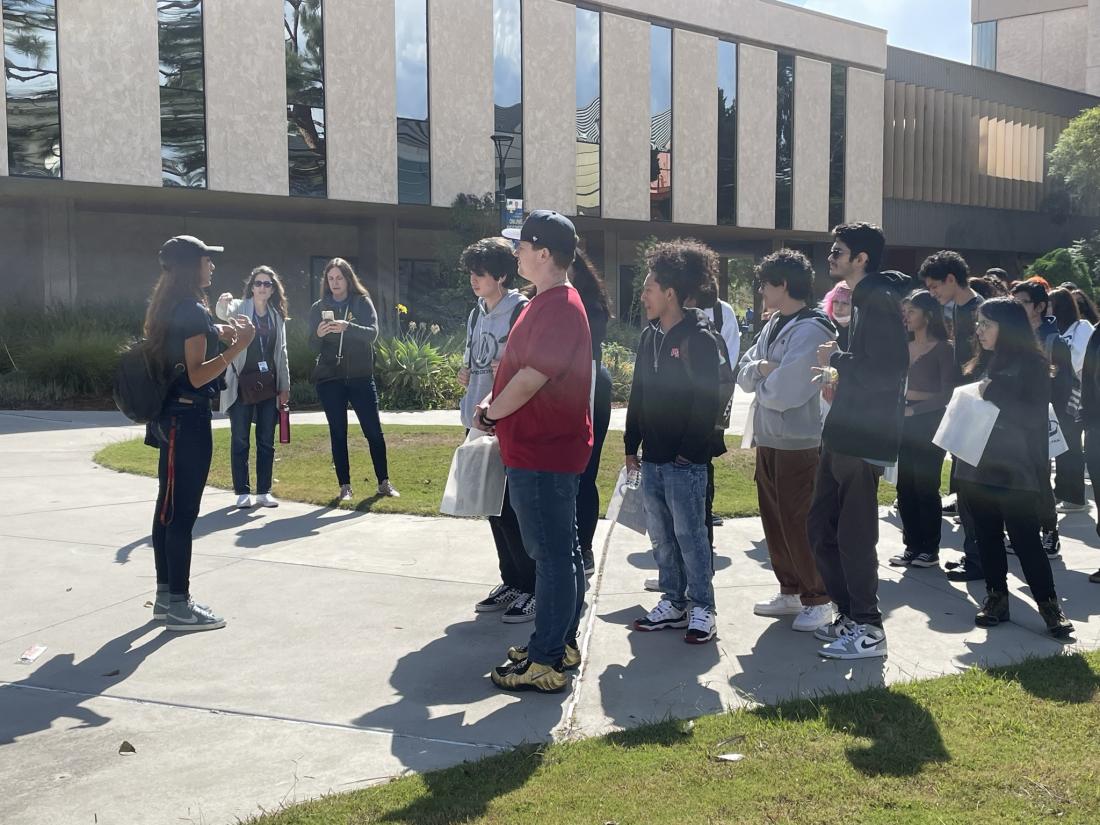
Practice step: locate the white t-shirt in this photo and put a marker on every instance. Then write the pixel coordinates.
(731, 331)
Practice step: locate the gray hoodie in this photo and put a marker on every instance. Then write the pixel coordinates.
(788, 401)
(486, 338)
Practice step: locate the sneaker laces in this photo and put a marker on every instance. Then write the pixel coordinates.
(499, 590)
(664, 609)
(701, 619)
(525, 603)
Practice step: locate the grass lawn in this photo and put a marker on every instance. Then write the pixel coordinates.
(1010, 745)
(419, 458)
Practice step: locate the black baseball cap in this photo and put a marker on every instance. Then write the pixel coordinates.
(547, 228)
(183, 248)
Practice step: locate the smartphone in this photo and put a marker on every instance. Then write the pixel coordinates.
(328, 315)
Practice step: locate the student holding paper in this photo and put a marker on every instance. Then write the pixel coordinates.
(1003, 488)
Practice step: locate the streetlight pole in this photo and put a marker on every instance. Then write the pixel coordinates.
(502, 143)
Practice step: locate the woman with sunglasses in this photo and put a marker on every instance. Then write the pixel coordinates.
(257, 382)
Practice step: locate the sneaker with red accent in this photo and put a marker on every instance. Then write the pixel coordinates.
(701, 627)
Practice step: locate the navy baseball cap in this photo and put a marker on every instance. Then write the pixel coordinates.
(547, 228)
(183, 248)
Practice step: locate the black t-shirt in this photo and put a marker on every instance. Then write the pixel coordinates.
(783, 321)
(189, 319)
(964, 323)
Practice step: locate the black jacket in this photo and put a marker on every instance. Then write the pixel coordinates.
(1064, 381)
(357, 355)
(1090, 385)
(866, 415)
(673, 407)
(1018, 448)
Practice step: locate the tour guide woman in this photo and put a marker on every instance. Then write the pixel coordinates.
(183, 340)
(344, 327)
(1003, 489)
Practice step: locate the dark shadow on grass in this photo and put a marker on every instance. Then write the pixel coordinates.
(1059, 679)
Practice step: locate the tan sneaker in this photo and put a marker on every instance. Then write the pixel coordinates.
(528, 675)
(570, 661)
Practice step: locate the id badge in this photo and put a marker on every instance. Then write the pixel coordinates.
(262, 366)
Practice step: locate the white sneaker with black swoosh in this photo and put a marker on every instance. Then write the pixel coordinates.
(864, 641)
(190, 616)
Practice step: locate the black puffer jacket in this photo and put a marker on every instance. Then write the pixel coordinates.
(865, 418)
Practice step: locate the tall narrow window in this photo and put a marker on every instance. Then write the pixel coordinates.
(588, 112)
(838, 127)
(784, 143)
(413, 133)
(305, 96)
(727, 132)
(182, 96)
(508, 90)
(983, 45)
(33, 102)
(660, 123)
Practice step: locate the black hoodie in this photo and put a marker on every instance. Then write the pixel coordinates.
(865, 418)
(673, 408)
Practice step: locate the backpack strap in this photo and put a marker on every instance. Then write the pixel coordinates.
(719, 316)
(516, 310)
(470, 330)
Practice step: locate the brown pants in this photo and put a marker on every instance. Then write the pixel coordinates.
(785, 484)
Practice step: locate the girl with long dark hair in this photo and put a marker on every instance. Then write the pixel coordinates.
(586, 279)
(932, 377)
(183, 341)
(1003, 489)
(258, 382)
(343, 328)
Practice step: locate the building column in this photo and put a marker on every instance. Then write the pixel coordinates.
(58, 253)
(378, 266)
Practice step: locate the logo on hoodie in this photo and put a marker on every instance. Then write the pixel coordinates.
(675, 352)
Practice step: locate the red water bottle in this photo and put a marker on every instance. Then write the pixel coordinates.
(284, 424)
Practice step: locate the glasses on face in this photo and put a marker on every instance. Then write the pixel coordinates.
(835, 252)
(984, 324)
(264, 284)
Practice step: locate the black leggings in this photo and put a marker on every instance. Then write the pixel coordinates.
(588, 496)
(363, 397)
(920, 463)
(179, 503)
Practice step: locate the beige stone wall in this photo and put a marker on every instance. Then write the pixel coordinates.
(625, 128)
(984, 10)
(694, 128)
(549, 105)
(1051, 47)
(110, 113)
(1020, 46)
(360, 64)
(1092, 52)
(756, 112)
(863, 154)
(812, 87)
(246, 130)
(460, 91)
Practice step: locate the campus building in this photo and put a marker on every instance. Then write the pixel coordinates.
(297, 131)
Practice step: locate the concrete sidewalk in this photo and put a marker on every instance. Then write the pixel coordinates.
(352, 652)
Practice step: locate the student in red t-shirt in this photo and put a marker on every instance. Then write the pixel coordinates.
(540, 410)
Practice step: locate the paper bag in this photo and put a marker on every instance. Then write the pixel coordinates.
(475, 484)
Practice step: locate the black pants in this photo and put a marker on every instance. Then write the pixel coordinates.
(178, 503)
(920, 463)
(363, 397)
(588, 496)
(996, 509)
(1092, 457)
(241, 416)
(1069, 476)
(517, 569)
(843, 528)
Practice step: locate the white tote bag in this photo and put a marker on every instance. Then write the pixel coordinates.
(967, 424)
(475, 484)
(627, 506)
(1058, 444)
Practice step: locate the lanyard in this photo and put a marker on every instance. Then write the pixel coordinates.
(267, 325)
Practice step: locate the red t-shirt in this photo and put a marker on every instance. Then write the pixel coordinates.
(553, 431)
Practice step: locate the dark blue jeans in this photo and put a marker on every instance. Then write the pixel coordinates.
(241, 416)
(363, 397)
(194, 446)
(546, 506)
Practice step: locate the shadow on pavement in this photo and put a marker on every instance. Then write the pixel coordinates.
(39, 421)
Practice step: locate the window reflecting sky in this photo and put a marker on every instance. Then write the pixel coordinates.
(660, 70)
(588, 57)
(411, 23)
(507, 53)
(30, 64)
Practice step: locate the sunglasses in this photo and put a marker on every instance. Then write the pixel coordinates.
(835, 253)
(265, 284)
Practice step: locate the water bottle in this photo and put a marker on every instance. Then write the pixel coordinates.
(284, 424)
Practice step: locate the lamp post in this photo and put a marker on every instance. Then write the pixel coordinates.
(502, 143)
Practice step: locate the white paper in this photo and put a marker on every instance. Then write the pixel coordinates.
(967, 424)
(749, 430)
(1058, 443)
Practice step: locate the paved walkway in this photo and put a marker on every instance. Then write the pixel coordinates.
(352, 652)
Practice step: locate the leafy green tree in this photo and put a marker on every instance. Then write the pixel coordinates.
(1061, 265)
(1076, 159)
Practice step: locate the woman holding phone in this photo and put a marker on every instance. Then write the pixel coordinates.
(257, 383)
(343, 328)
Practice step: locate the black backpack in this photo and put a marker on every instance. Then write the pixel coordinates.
(140, 388)
(727, 379)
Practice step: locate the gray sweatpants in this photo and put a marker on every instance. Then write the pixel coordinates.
(843, 528)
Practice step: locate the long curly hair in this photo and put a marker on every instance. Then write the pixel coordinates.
(277, 301)
(178, 281)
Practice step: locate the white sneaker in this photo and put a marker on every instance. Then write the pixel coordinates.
(188, 616)
(244, 501)
(701, 627)
(664, 616)
(781, 604)
(266, 500)
(387, 490)
(345, 492)
(810, 619)
(864, 641)
(838, 627)
(1071, 507)
(653, 585)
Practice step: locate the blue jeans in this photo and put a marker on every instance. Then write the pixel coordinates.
(546, 506)
(676, 517)
(241, 416)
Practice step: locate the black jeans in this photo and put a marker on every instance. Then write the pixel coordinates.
(588, 496)
(996, 509)
(363, 397)
(178, 503)
(241, 416)
(843, 528)
(920, 463)
(517, 569)
(1069, 475)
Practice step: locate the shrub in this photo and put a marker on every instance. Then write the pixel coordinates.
(413, 375)
(1060, 265)
(84, 362)
(24, 327)
(619, 362)
(300, 357)
(623, 334)
(19, 391)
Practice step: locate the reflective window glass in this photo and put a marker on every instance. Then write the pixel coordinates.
(727, 132)
(784, 143)
(413, 134)
(660, 120)
(508, 90)
(983, 47)
(182, 96)
(588, 112)
(838, 125)
(30, 67)
(305, 96)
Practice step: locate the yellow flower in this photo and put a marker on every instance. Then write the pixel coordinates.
(402, 309)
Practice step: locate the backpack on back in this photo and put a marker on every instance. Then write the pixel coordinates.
(140, 389)
(727, 380)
